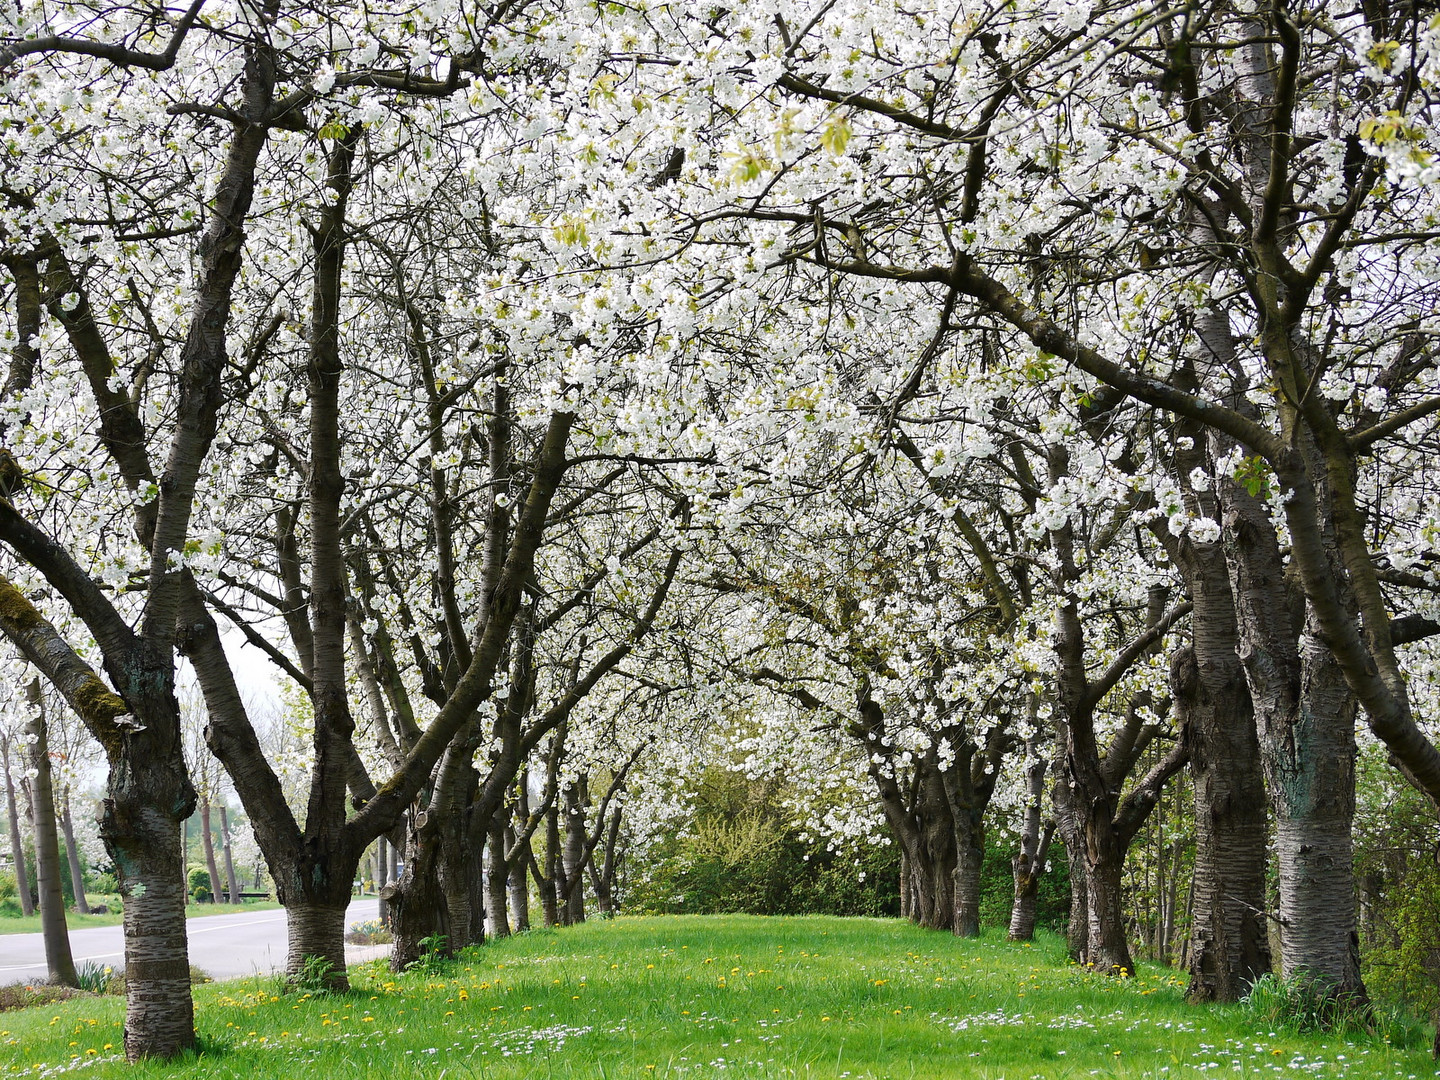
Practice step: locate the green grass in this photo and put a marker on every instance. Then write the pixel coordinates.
(732, 996)
(21, 924)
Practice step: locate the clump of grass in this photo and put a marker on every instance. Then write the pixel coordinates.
(1301, 1003)
(29, 996)
(434, 956)
(315, 975)
(99, 978)
(369, 932)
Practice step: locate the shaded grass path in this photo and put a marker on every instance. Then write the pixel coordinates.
(731, 996)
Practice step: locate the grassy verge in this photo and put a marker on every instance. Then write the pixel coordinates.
(742, 997)
(20, 924)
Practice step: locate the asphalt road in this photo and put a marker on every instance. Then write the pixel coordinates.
(225, 946)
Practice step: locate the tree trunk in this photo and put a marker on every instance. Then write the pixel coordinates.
(547, 880)
(1314, 789)
(231, 885)
(602, 876)
(1107, 948)
(47, 846)
(574, 856)
(315, 895)
(207, 844)
(1029, 862)
(1027, 870)
(904, 884)
(77, 875)
(144, 841)
(970, 855)
(17, 845)
(497, 877)
(1305, 719)
(1229, 940)
(1077, 929)
(520, 886)
(417, 904)
(382, 878)
(317, 938)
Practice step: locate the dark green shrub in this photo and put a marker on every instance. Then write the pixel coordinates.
(743, 852)
(197, 884)
(103, 883)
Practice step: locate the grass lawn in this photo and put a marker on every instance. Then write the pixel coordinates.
(20, 924)
(733, 996)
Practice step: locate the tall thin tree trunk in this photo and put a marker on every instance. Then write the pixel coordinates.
(497, 876)
(207, 843)
(1108, 948)
(1029, 861)
(1229, 939)
(47, 845)
(969, 859)
(520, 886)
(549, 879)
(232, 887)
(1027, 873)
(904, 884)
(382, 878)
(1077, 929)
(1304, 716)
(17, 845)
(77, 876)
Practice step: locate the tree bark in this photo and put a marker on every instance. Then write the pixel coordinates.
(550, 879)
(497, 876)
(1229, 941)
(1313, 780)
(574, 855)
(207, 844)
(47, 845)
(1229, 938)
(1305, 719)
(519, 883)
(382, 878)
(145, 843)
(1029, 862)
(231, 885)
(77, 875)
(416, 901)
(317, 937)
(17, 846)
